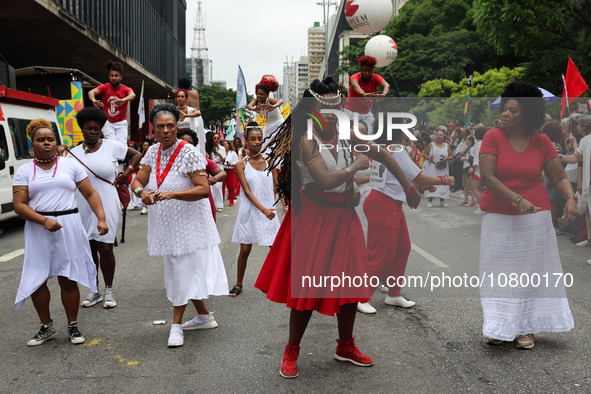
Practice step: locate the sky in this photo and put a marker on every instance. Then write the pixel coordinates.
(255, 34)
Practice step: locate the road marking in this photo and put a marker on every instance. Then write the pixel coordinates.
(429, 256)
(11, 255)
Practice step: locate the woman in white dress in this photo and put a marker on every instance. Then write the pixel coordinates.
(217, 153)
(267, 106)
(173, 173)
(190, 118)
(44, 194)
(437, 154)
(101, 156)
(257, 220)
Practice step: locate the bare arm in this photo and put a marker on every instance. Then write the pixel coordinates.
(133, 158)
(385, 87)
(91, 96)
(571, 159)
(217, 175)
(357, 89)
(252, 105)
(559, 180)
(193, 100)
(20, 199)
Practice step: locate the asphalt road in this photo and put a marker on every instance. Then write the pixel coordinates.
(437, 346)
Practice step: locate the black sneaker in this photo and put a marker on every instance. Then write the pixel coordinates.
(576, 239)
(75, 335)
(46, 332)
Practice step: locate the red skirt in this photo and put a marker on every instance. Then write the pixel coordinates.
(325, 243)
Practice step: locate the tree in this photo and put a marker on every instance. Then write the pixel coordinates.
(490, 84)
(543, 32)
(437, 39)
(217, 104)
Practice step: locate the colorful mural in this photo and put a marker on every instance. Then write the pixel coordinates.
(66, 115)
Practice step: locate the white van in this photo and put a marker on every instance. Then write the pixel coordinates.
(17, 109)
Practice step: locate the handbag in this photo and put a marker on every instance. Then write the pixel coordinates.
(122, 190)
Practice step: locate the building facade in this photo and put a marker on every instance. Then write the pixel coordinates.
(316, 39)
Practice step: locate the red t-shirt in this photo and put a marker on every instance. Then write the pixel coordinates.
(108, 95)
(362, 105)
(520, 172)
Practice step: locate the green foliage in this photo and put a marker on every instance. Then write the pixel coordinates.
(217, 104)
(437, 39)
(543, 32)
(491, 84)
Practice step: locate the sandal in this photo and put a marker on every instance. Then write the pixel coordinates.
(236, 290)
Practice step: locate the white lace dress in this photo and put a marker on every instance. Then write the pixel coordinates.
(252, 226)
(439, 154)
(193, 265)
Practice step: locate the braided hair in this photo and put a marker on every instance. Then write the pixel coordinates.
(284, 143)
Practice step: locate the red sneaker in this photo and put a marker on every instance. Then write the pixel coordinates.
(472, 204)
(231, 203)
(347, 351)
(289, 367)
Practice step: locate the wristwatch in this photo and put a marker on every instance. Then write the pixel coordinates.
(138, 191)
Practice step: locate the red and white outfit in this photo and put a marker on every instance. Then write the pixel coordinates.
(322, 238)
(116, 126)
(360, 105)
(520, 244)
(232, 179)
(388, 240)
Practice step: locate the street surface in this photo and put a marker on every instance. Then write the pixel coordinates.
(437, 346)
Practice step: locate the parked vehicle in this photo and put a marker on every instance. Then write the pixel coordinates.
(17, 109)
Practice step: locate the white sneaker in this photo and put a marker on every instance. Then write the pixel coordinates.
(384, 288)
(478, 211)
(365, 307)
(430, 205)
(175, 339)
(92, 299)
(201, 322)
(589, 261)
(583, 244)
(399, 301)
(109, 298)
(144, 211)
(443, 204)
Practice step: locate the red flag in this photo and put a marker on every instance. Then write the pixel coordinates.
(574, 85)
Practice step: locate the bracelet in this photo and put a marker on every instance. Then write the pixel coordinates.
(573, 195)
(138, 191)
(130, 167)
(348, 170)
(445, 179)
(409, 191)
(517, 200)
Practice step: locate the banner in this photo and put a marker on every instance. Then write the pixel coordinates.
(141, 110)
(241, 96)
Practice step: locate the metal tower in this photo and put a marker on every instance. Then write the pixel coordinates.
(200, 64)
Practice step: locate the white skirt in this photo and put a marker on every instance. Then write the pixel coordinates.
(65, 252)
(195, 276)
(218, 196)
(442, 191)
(523, 289)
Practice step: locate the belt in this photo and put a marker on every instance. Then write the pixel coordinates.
(58, 213)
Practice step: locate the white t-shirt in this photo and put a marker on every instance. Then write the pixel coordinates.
(382, 180)
(231, 159)
(475, 154)
(49, 193)
(218, 160)
(585, 150)
(188, 123)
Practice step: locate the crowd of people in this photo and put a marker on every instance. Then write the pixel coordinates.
(343, 211)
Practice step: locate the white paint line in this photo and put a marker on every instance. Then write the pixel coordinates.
(429, 256)
(11, 255)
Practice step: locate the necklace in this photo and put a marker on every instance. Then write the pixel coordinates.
(331, 141)
(88, 146)
(45, 161)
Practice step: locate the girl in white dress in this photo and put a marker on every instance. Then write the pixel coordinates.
(438, 153)
(44, 194)
(257, 221)
(267, 106)
(190, 118)
(217, 153)
(173, 173)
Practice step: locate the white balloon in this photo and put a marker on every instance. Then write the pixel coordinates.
(368, 16)
(383, 48)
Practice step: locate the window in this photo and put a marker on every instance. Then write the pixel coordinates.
(3, 143)
(21, 142)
